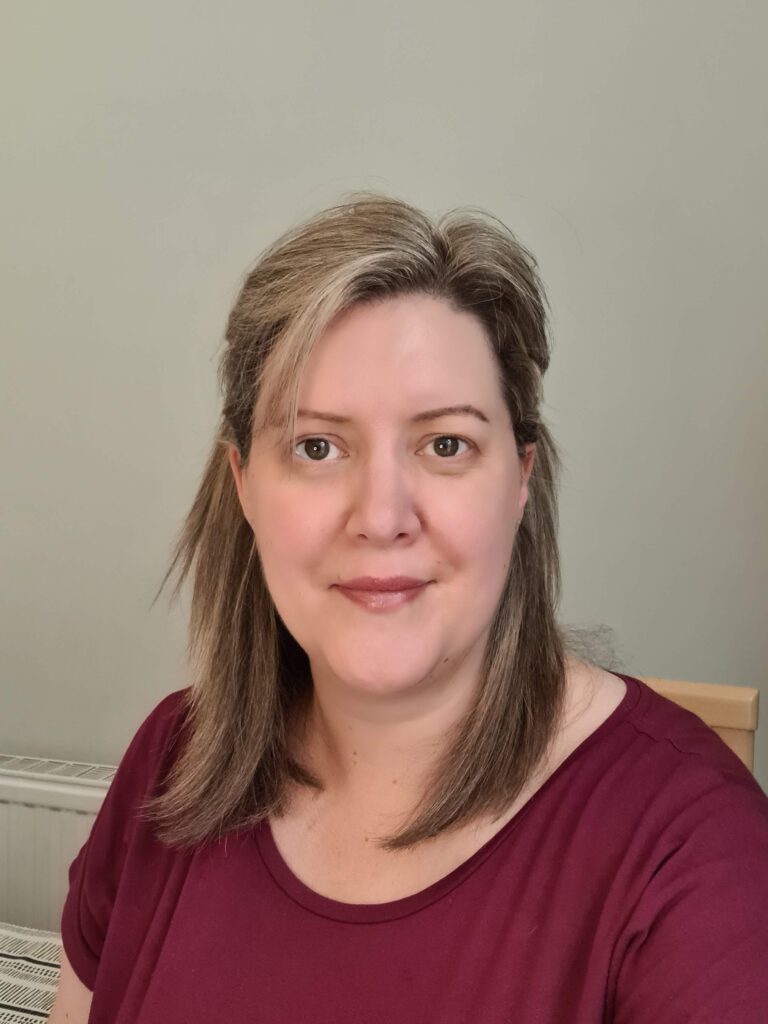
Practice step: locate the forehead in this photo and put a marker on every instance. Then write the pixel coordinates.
(399, 354)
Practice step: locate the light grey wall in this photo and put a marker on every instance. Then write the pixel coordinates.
(151, 151)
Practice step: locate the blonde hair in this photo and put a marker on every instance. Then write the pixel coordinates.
(248, 674)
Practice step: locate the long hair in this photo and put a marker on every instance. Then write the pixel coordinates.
(248, 674)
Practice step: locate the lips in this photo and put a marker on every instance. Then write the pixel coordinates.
(382, 585)
(383, 595)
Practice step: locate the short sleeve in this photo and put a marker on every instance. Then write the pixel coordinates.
(696, 949)
(94, 875)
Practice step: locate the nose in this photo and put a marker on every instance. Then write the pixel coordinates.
(382, 505)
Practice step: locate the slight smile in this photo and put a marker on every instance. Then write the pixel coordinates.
(382, 600)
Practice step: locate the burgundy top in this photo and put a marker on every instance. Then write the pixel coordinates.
(632, 888)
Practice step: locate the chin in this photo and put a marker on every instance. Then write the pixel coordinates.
(377, 675)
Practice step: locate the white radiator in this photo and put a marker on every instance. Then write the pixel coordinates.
(47, 809)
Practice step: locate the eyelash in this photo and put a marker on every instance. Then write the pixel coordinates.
(437, 437)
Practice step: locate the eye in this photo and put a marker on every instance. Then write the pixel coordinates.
(316, 448)
(448, 444)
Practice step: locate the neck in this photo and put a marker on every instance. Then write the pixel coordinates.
(374, 750)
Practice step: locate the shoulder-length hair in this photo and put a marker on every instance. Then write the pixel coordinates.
(247, 672)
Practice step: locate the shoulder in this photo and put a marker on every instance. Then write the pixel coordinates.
(168, 709)
(165, 717)
(149, 751)
(658, 768)
(693, 945)
(681, 736)
(683, 782)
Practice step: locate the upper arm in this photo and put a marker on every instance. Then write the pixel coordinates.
(95, 873)
(72, 1004)
(695, 949)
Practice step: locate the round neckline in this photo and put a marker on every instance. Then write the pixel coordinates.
(366, 913)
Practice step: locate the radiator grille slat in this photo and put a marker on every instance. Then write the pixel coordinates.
(47, 808)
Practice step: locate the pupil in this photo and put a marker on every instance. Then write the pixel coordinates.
(452, 443)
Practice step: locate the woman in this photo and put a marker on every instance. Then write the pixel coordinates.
(390, 793)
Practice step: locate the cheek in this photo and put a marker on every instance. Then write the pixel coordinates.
(482, 518)
(283, 539)
(485, 574)
(487, 545)
(473, 544)
(291, 537)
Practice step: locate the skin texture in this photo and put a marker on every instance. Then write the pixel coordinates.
(385, 497)
(72, 1004)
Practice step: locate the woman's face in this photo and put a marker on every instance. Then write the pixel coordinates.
(381, 484)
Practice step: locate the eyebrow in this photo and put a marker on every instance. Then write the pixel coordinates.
(430, 414)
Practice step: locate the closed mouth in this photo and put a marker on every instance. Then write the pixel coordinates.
(396, 584)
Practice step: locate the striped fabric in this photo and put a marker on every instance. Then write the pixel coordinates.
(29, 973)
